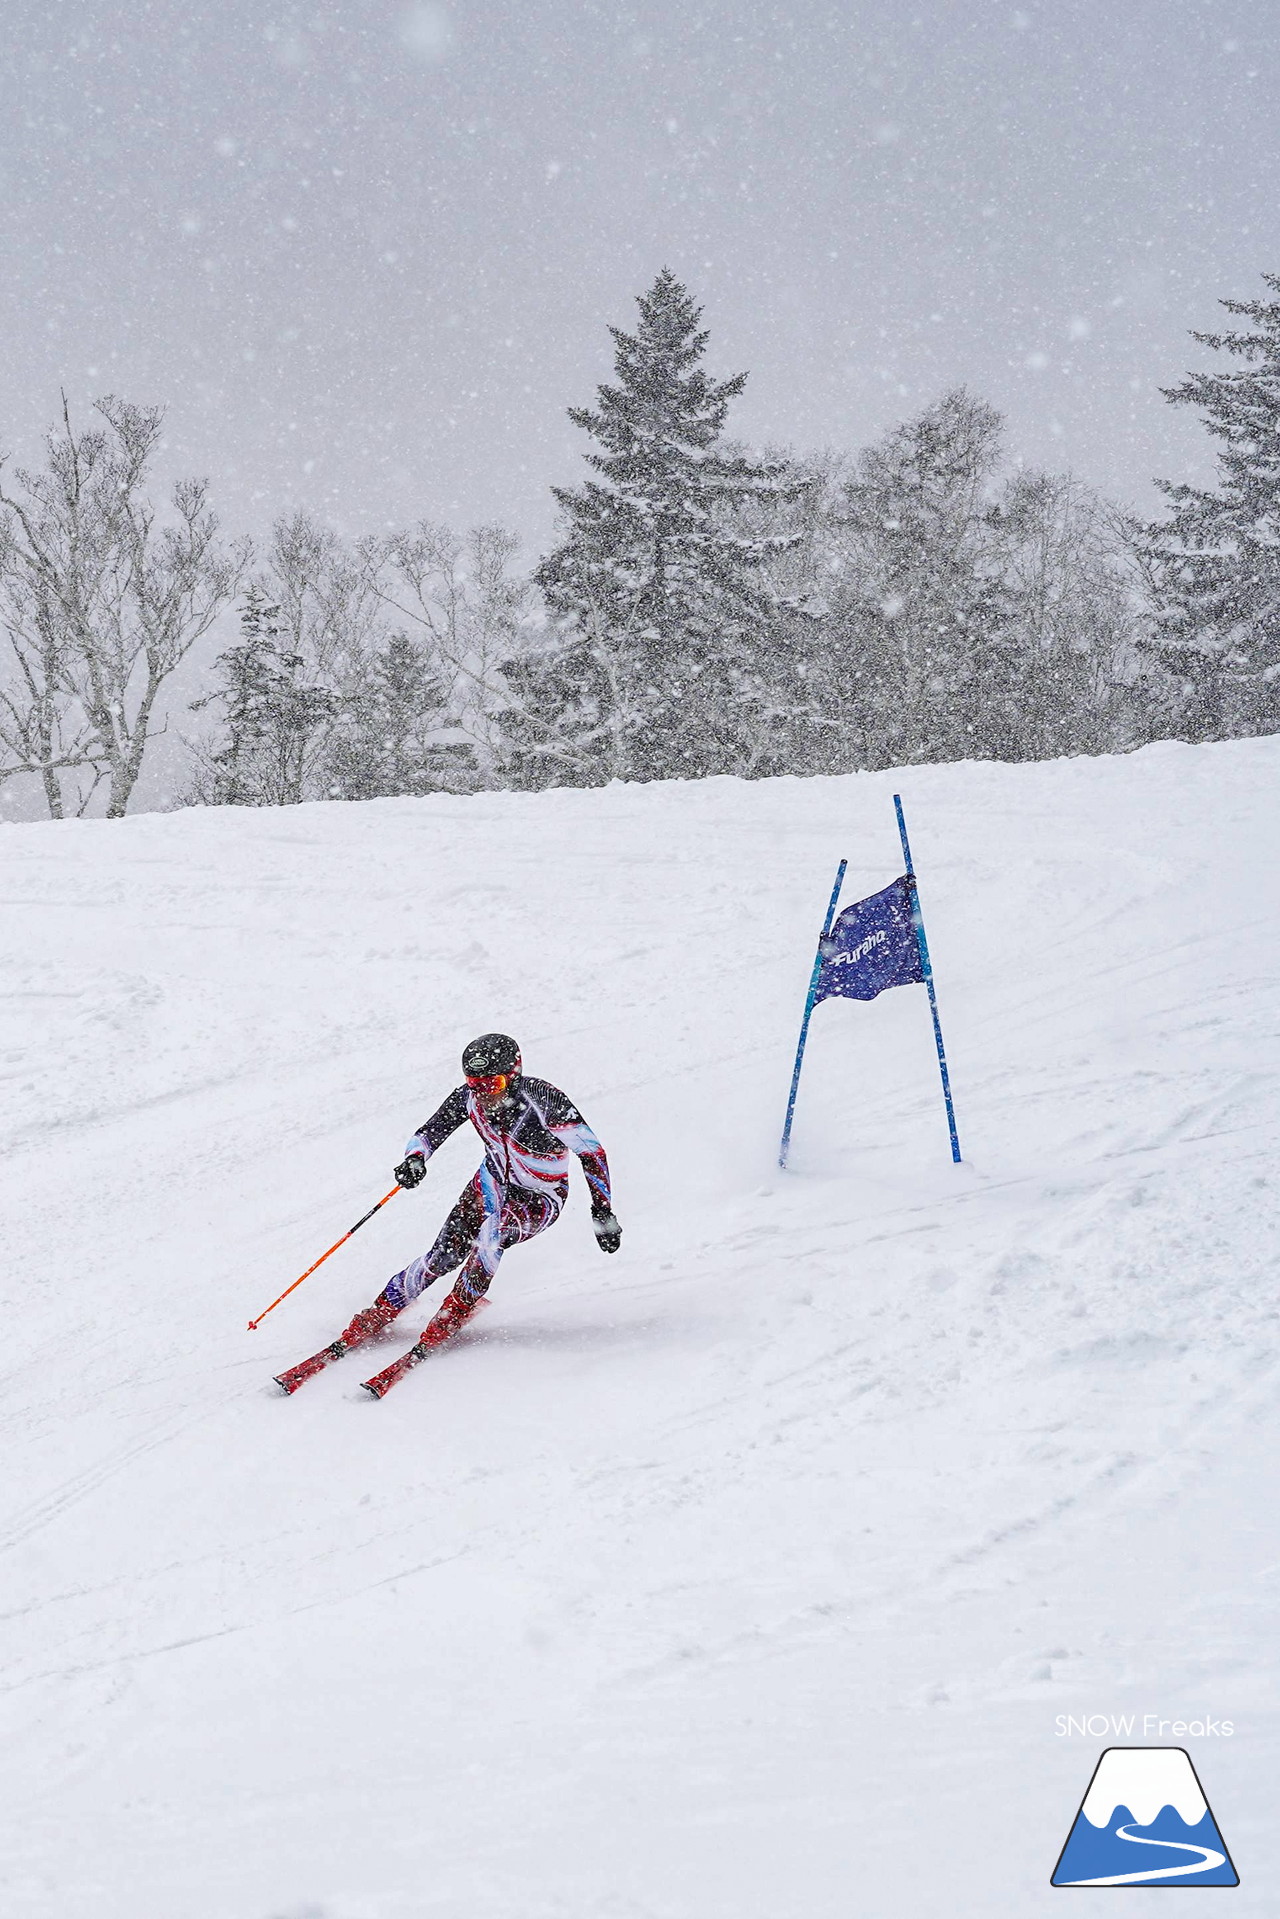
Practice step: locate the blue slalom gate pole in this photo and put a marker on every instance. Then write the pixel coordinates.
(808, 1014)
(917, 920)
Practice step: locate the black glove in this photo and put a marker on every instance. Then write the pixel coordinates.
(607, 1231)
(411, 1170)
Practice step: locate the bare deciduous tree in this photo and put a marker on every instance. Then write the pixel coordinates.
(102, 601)
(325, 594)
(1076, 593)
(462, 596)
(956, 611)
(42, 732)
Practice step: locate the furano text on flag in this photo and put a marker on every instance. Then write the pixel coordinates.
(872, 946)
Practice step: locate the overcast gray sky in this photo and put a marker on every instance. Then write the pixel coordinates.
(366, 252)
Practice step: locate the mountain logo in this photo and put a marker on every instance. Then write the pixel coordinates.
(1144, 1822)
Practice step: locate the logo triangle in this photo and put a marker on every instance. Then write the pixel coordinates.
(1144, 1821)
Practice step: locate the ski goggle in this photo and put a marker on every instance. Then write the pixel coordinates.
(493, 1085)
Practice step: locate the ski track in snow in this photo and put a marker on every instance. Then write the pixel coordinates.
(736, 1575)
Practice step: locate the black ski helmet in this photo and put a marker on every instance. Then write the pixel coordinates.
(491, 1053)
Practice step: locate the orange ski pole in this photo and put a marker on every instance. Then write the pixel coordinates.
(255, 1323)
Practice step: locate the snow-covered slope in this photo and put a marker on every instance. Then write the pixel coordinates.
(741, 1576)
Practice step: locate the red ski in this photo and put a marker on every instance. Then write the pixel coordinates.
(308, 1368)
(451, 1318)
(366, 1325)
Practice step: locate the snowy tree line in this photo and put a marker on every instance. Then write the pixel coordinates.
(705, 610)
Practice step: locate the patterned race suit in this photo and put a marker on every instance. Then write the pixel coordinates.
(519, 1189)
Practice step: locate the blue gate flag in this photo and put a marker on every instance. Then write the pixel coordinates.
(875, 944)
(872, 946)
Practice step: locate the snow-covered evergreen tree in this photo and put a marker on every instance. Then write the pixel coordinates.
(272, 717)
(1216, 561)
(660, 666)
(391, 737)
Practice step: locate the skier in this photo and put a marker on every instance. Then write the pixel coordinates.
(529, 1128)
